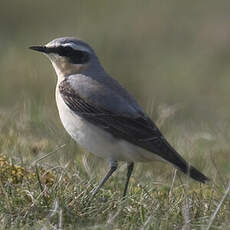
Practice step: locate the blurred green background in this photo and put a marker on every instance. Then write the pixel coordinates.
(174, 56)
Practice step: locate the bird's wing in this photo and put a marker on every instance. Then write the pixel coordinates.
(102, 94)
(139, 130)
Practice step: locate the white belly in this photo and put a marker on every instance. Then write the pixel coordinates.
(98, 141)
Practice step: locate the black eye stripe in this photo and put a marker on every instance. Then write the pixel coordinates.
(74, 56)
(66, 51)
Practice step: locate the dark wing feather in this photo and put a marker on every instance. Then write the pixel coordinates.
(140, 131)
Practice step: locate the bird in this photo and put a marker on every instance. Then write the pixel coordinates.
(102, 116)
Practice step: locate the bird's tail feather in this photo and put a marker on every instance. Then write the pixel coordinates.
(194, 173)
(168, 153)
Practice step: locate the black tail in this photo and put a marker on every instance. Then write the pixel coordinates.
(168, 153)
(180, 163)
(194, 173)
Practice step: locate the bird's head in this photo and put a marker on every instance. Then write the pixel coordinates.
(68, 55)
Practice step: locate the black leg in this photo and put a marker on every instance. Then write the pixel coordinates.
(113, 167)
(129, 173)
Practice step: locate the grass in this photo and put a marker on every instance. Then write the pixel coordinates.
(45, 186)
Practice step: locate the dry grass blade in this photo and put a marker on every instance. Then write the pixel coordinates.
(172, 184)
(218, 207)
(48, 154)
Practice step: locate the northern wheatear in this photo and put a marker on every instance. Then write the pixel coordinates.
(101, 116)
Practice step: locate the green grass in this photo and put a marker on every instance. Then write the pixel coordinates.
(52, 198)
(52, 192)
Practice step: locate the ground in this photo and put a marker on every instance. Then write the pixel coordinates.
(47, 186)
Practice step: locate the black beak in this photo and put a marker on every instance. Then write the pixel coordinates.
(42, 49)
